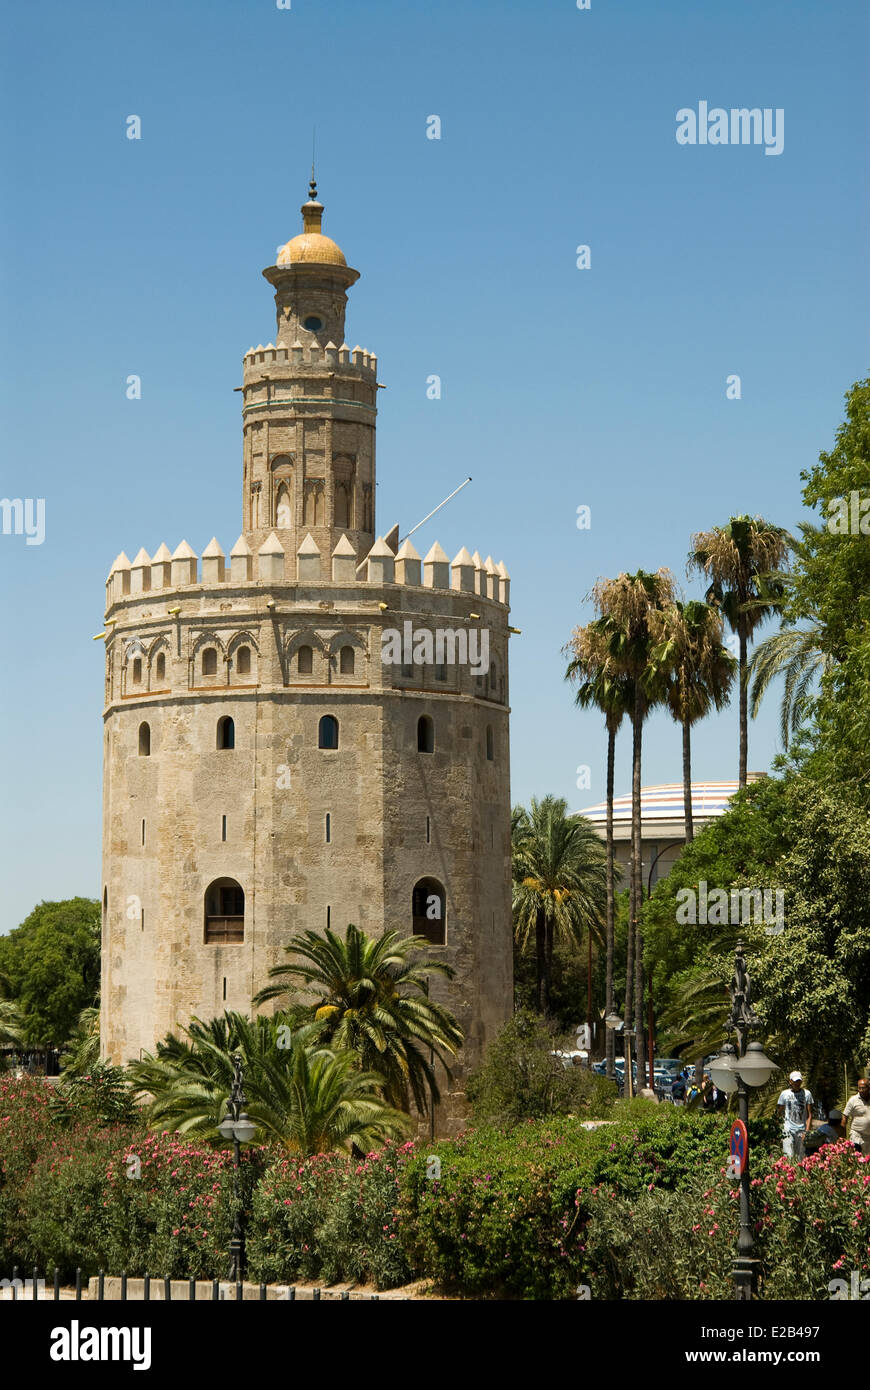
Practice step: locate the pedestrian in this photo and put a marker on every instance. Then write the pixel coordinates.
(858, 1111)
(795, 1105)
(678, 1091)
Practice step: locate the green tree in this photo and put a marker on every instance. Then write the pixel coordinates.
(626, 607)
(82, 1052)
(302, 1095)
(11, 1024)
(559, 882)
(698, 671)
(52, 966)
(372, 996)
(743, 561)
(521, 1078)
(599, 687)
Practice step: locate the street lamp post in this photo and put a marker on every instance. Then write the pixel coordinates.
(237, 1126)
(739, 1068)
(615, 1024)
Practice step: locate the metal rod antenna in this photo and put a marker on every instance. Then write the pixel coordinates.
(436, 509)
(425, 518)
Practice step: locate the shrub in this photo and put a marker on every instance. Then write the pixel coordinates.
(520, 1079)
(177, 1218)
(103, 1096)
(508, 1215)
(330, 1218)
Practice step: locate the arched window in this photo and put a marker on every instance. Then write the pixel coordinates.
(490, 747)
(243, 661)
(328, 732)
(429, 911)
(493, 678)
(346, 661)
(425, 734)
(144, 740)
(137, 670)
(209, 662)
(283, 508)
(226, 733)
(342, 505)
(441, 671)
(305, 661)
(224, 912)
(160, 667)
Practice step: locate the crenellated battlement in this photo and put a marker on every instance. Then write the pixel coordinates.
(311, 354)
(272, 564)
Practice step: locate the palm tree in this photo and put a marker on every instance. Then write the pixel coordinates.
(597, 686)
(744, 562)
(559, 882)
(372, 999)
(626, 605)
(307, 1097)
(799, 654)
(82, 1048)
(700, 671)
(11, 1023)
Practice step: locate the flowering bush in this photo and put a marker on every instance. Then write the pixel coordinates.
(332, 1218)
(509, 1213)
(177, 1217)
(813, 1222)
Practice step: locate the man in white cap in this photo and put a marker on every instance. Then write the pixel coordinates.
(796, 1107)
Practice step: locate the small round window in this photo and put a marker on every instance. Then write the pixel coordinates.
(313, 324)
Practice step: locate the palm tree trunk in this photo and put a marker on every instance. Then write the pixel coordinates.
(743, 725)
(548, 964)
(610, 1003)
(540, 959)
(637, 881)
(687, 779)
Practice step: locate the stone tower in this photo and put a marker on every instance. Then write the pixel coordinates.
(311, 732)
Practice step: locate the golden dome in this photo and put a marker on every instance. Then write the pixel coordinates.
(311, 247)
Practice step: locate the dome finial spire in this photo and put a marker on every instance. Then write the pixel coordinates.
(312, 187)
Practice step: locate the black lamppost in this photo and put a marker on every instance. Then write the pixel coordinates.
(738, 1068)
(237, 1126)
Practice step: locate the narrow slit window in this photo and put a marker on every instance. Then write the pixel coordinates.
(328, 916)
(428, 830)
(328, 828)
(143, 832)
(223, 827)
(225, 986)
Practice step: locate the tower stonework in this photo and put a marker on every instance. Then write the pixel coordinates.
(311, 730)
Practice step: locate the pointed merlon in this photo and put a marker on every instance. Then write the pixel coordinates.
(436, 568)
(408, 565)
(344, 562)
(491, 574)
(241, 562)
(270, 560)
(392, 538)
(183, 564)
(161, 567)
(140, 573)
(213, 563)
(462, 571)
(381, 563)
(118, 582)
(504, 584)
(308, 565)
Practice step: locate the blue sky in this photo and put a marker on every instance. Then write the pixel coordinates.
(561, 386)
